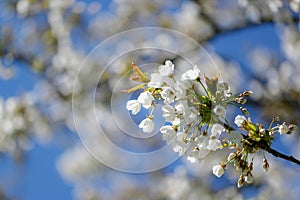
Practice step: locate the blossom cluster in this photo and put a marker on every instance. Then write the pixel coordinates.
(194, 108)
(20, 120)
(186, 110)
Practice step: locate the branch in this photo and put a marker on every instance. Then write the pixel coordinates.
(280, 155)
(264, 146)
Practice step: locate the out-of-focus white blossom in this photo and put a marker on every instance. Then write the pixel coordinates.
(295, 5)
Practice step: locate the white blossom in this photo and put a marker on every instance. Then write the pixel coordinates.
(156, 80)
(134, 106)
(193, 157)
(180, 136)
(167, 69)
(295, 5)
(283, 129)
(168, 133)
(214, 144)
(249, 179)
(168, 94)
(147, 125)
(12, 104)
(145, 99)
(179, 147)
(239, 120)
(180, 89)
(168, 113)
(216, 130)
(182, 108)
(191, 74)
(218, 170)
(203, 142)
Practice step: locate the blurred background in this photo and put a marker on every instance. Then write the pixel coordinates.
(255, 45)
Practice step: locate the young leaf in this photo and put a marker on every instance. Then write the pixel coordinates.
(138, 75)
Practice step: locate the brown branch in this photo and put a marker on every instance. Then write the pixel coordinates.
(281, 155)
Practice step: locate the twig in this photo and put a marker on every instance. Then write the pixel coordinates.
(280, 155)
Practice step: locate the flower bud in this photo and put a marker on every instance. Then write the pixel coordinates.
(292, 128)
(218, 170)
(249, 178)
(244, 111)
(250, 166)
(266, 165)
(241, 181)
(247, 93)
(241, 100)
(231, 157)
(237, 164)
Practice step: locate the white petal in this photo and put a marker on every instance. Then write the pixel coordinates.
(134, 106)
(145, 99)
(239, 120)
(167, 69)
(218, 170)
(216, 130)
(147, 125)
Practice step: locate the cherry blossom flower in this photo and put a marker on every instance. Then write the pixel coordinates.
(134, 106)
(168, 133)
(214, 144)
(167, 69)
(168, 113)
(145, 99)
(239, 120)
(216, 130)
(218, 170)
(193, 157)
(168, 94)
(156, 80)
(147, 125)
(191, 74)
(180, 147)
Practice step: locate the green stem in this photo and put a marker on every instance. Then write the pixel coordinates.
(204, 88)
